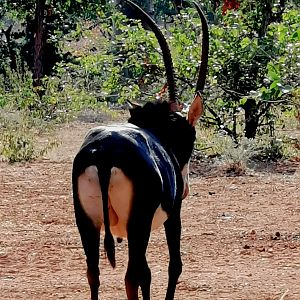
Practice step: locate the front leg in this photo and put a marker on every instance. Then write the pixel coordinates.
(173, 234)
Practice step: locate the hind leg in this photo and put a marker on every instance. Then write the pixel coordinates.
(90, 237)
(138, 272)
(91, 248)
(88, 207)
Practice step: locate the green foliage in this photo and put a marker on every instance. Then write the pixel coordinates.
(15, 146)
(123, 64)
(254, 66)
(238, 157)
(16, 90)
(18, 138)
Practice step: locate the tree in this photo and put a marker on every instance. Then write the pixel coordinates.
(39, 42)
(245, 48)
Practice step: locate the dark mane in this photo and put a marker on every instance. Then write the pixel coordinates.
(172, 129)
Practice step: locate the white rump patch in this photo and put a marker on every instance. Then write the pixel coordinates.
(90, 195)
(120, 194)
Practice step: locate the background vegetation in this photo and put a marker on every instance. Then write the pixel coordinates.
(60, 57)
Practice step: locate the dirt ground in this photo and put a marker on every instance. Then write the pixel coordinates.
(240, 239)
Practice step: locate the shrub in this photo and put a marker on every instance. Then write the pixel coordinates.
(18, 138)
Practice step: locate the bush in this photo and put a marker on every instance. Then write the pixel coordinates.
(18, 138)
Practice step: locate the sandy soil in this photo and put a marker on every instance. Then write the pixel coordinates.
(240, 240)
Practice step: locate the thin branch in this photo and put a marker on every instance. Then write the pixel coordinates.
(274, 101)
(263, 112)
(220, 123)
(210, 123)
(284, 294)
(234, 93)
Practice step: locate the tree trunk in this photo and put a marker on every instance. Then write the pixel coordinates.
(251, 118)
(250, 107)
(267, 14)
(38, 42)
(12, 54)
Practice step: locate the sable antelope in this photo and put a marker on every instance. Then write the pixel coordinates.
(131, 178)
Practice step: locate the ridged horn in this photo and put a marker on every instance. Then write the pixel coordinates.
(205, 49)
(164, 47)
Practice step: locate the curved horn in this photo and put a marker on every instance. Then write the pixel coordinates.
(205, 49)
(164, 47)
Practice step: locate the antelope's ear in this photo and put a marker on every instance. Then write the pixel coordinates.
(196, 110)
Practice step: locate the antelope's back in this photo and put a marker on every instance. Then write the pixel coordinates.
(138, 154)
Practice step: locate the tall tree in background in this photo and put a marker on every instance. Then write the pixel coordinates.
(250, 63)
(39, 42)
